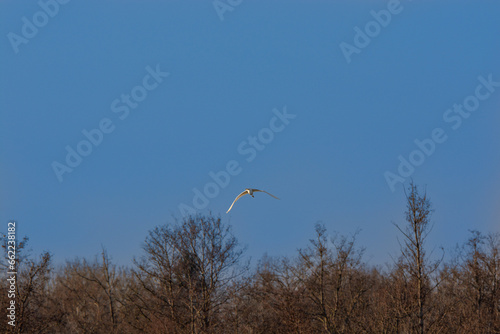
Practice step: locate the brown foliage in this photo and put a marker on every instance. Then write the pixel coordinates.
(192, 279)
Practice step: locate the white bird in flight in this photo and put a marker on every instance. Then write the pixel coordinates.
(250, 192)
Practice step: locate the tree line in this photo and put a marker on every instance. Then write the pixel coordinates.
(192, 277)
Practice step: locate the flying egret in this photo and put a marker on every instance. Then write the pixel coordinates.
(250, 192)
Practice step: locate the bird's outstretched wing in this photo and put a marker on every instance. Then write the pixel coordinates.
(237, 198)
(265, 192)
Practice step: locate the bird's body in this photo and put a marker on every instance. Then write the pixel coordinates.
(250, 192)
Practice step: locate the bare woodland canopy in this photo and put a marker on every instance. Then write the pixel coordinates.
(193, 278)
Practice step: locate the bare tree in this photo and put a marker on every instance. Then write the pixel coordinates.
(281, 302)
(31, 290)
(89, 294)
(335, 281)
(414, 266)
(493, 283)
(476, 284)
(182, 281)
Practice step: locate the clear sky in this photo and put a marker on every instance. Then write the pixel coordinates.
(313, 101)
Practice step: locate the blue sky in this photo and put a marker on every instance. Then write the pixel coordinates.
(352, 118)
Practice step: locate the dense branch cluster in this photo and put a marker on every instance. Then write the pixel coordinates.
(193, 278)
